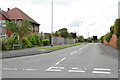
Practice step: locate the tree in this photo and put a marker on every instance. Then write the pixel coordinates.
(117, 27)
(89, 39)
(108, 36)
(81, 39)
(56, 33)
(21, 27)
(63, 33)
(102, 38)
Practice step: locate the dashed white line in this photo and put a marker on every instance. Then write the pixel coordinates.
(75, 68)
(62, 59)
(30, 69)
(73, 52)
(101, 72)
(76, 71)
(57, 63)
(12, 69)
(102, 69)
(53, 70)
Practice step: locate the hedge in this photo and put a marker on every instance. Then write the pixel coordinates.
(118, 43)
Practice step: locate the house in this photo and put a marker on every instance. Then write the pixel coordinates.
(15, 14)
(73, 35)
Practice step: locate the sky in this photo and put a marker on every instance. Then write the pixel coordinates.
(86, 17)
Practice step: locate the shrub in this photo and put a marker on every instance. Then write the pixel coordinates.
(102, 38)
(118, 43)
(35, 39)
(108, 36)
(46, 42)
(7, 43)
(26, 43)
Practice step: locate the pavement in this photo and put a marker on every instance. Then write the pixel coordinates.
(82, 61)
(24, 52)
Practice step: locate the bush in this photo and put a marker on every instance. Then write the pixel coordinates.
(7, 43)
(46, 42)
(102, 38)
(34, 39)
(26, 43)
(108, 36)
(118, 43)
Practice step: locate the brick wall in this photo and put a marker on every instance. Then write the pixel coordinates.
(112, 41)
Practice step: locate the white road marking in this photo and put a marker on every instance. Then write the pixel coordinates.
(75, 68)
(76, 71)
(73, 52)
(60, 61)
(30, 69)
(100, 72)
(80, 48)
(12, 69)
(101, 69)
(57, 63)
(63, 59)
(55, 69)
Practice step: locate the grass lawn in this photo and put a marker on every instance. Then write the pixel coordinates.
(62, 46)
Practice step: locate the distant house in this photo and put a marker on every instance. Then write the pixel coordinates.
(73, 35)
(15, 14)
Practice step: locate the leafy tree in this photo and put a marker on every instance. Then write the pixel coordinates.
(108, 36)
(81, 39)
(118, 43)
(117, 27)
(89, 39)
(56, 33)
(102, 38)
(63, 33)
(21, 27)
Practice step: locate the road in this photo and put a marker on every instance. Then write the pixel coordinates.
(83, 61)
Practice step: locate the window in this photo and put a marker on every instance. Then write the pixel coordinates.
(1, 23)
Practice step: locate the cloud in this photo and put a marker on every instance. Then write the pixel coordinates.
(97, 15)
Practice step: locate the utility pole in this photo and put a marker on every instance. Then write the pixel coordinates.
(51, 23)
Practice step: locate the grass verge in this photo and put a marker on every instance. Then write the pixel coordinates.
(62, 46)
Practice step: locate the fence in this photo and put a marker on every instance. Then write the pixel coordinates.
(60, 41)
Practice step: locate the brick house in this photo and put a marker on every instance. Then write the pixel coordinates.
(15, 14)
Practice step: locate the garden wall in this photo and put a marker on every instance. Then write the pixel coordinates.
(60, 41)
(112, 40)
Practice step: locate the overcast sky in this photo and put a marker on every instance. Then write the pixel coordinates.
(93, 16)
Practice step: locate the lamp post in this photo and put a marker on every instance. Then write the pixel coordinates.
(51, 23)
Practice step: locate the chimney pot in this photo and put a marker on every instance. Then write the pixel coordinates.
(8, 9)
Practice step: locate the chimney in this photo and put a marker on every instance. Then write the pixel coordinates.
(8, 9)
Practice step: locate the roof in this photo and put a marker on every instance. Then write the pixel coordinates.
(4, 14)
(16, 13)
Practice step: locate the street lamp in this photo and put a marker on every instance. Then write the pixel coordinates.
(51, 23)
